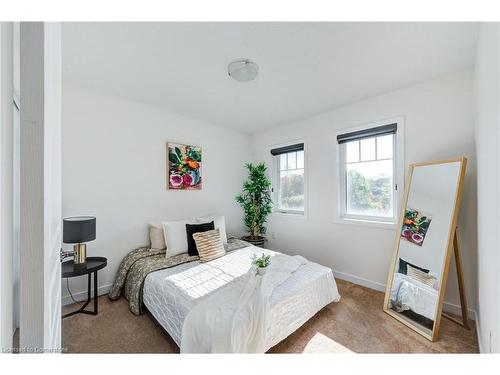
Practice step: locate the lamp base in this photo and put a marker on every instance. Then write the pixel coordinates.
(80, 257)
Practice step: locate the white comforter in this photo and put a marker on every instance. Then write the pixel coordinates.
(410, 294)
(236, 318)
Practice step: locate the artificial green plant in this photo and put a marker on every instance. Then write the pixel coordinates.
(256, 199)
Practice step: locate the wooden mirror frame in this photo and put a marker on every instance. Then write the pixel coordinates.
(449, 248)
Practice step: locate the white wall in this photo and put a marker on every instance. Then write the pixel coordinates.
(438, 117)
(114, 167)
(487, 144)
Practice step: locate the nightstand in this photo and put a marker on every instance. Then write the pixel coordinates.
(94, 264)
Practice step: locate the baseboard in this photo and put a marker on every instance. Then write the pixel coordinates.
(360, 281)
(82, 295)
(455, 309)
(447, 306)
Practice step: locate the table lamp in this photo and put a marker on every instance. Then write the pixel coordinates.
(77, 230)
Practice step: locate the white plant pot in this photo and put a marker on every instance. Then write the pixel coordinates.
(261, 270)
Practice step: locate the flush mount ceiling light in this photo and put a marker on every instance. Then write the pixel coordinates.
(242, 70)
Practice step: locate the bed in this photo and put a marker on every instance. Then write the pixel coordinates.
(410, 294)
(170, 294)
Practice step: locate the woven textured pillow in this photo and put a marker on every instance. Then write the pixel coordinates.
(209, 245)
(420, 276)
(402, 267)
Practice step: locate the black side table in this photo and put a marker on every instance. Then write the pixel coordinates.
(94, 264)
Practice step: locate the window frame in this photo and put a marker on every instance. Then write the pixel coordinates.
(275, 179)
(398, 177)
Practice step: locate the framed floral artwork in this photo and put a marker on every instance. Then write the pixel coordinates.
(184, 167)
(415, 226)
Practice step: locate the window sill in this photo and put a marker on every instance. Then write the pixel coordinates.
(366, 223)
(292, 215)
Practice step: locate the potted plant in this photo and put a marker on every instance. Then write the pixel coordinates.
(256, 202)
(261, 263)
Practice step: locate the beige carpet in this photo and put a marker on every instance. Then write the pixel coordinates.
(355, 324)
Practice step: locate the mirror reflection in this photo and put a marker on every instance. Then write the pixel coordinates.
(423, 242)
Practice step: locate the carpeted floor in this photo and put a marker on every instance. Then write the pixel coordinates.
(356, 323)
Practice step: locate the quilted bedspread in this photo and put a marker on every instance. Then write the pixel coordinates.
(139, 263)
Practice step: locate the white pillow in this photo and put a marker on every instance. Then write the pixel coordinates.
(156, 236)
(176, 236)
(219, 223)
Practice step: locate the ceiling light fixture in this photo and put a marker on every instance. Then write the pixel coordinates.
(242, 70)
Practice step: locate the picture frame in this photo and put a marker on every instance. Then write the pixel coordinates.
(184, 166)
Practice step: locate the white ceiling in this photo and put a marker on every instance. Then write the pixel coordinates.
(305, 68)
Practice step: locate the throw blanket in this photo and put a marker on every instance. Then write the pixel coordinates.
(235, 319)
(141, 262)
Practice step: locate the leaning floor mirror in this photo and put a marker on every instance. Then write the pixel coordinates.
(425, 240)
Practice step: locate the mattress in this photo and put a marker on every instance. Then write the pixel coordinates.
(171, 293)
(410, 294)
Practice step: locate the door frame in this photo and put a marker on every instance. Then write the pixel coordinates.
(40, 187)
(6, 186)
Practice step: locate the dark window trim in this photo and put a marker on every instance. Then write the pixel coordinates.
(367, 133)
(287, 149)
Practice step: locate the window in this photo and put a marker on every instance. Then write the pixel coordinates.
(289, 179)
(368, 178)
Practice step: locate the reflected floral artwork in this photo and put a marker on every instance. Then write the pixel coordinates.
(184, 167)
(415, 226)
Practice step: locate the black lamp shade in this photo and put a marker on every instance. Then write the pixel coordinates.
(78, 229)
